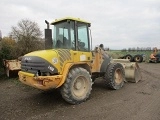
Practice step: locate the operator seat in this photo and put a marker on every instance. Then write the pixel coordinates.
(81, 46)
(62, 42)
(66, 43)
(59, 43)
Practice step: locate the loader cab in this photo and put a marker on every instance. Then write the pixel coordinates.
(70, 33)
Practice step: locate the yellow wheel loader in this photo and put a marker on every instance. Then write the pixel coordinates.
(69, 63)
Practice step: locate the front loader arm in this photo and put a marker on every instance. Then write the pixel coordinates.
(100, 60)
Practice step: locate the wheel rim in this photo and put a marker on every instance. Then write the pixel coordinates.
(118, 76)
(80, 86)
(137, 58)
(128, 57)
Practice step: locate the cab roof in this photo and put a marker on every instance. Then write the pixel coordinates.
(69, 18)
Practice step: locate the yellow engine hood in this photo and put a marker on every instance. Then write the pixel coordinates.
(49, 55)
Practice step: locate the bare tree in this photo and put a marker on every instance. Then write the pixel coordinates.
(28, 36)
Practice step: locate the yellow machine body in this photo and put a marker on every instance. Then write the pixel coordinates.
(48, 69)
(62, 60)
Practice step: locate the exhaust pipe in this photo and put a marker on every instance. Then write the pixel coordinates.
(48, 37)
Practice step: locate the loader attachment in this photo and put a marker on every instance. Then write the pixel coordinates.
(12, 67)
(132, 70)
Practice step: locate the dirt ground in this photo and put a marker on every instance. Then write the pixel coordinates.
(135, 101)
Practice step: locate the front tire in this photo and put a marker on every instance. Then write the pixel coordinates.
(77, 87)
(115, 76)
(129, 57)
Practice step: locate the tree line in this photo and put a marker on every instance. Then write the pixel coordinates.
(138, 49)
(25, 37)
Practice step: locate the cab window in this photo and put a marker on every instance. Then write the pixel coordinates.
(83, 37)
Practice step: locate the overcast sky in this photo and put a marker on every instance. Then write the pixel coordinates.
(117, 24)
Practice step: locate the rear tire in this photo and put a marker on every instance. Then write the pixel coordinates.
(115, 76)
(138, 58)
(77, 87)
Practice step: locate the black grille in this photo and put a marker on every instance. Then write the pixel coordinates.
(32, 67)
(33, 64)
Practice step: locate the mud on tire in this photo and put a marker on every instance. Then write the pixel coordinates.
(77, 87)
(115, 76)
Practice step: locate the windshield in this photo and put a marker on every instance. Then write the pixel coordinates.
(64, 35)
(71, 35)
